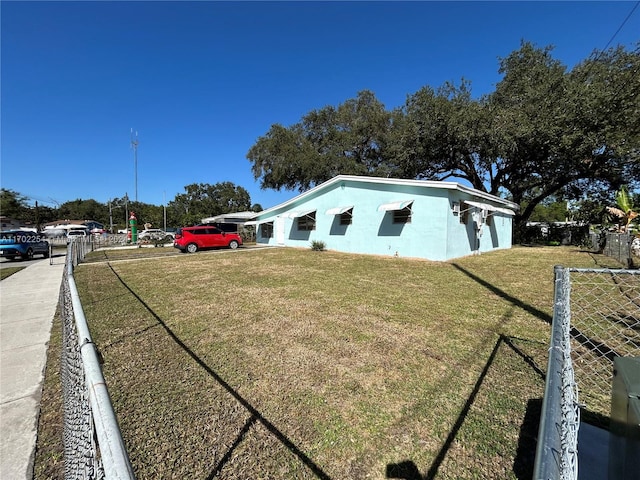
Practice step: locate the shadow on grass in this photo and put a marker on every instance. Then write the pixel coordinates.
(528, 440)
(523, 464)
(256, 416)
(545, 317)
(406, 470)
(598, 347)
(227, 456)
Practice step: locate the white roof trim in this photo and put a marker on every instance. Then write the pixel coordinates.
(299, 213)
(387, 181)
(387, 207)
(491, 208)
(252, 222)
(338, 210)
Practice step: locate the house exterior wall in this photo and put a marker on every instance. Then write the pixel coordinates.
(434, 232)
(463, 238)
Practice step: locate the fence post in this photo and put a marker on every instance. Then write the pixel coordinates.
(556, 452)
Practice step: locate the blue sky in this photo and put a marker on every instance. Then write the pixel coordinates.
(201, 81)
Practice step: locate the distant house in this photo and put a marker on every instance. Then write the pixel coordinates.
(89, 224)
(394, 217)
(7, 223)
(59, 228)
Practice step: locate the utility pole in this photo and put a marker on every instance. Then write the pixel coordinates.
(126, 210)
(110, 218)
(134, 145)
(164, 205)
(37, 217)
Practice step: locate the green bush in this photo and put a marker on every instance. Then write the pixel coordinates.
(318, 245)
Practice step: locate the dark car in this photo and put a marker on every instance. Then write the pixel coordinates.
(22, 243)
(192, 239)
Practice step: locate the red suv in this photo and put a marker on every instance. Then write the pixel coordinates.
(192, 239)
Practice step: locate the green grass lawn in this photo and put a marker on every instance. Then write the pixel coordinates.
(287, 363)
(8, 271)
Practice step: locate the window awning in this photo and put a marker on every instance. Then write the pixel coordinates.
(490, 208)
(338, 210)
(251, 222)
(300, 213)
(387, 207)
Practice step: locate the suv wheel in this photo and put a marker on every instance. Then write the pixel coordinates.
(192, 248)
(28, 255)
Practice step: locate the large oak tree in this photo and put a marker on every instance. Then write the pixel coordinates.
(350, 139)
(545, 131)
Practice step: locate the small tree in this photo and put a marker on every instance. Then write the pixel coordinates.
(625, 209)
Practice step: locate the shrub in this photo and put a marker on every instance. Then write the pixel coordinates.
(318, 245)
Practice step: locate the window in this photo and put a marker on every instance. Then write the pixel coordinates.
(266, 230)
(204, 231)
(345, 218)
(307, 222)
(402, 216)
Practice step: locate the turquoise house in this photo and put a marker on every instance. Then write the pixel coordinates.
(385, 216)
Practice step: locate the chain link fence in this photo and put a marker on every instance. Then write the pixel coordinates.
(605, 323)
(81, 458)
(596, 319)
(93, 446)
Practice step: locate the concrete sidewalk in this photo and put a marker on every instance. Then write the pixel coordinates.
(28, 301)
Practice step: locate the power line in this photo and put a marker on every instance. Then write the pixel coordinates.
(599, 54)
(41, 200)
(622, 25)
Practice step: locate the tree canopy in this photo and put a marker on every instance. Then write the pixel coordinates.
(349, 139)
(200, 200)
(12, 204)
(545, 131)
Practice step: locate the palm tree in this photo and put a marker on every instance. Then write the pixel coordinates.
(625, 210)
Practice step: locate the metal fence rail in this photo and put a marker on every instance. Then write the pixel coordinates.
(596, 318)
(93, 446)
(557, 452)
